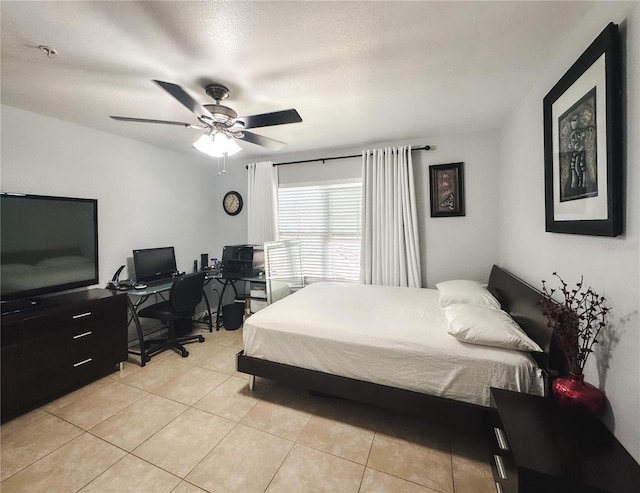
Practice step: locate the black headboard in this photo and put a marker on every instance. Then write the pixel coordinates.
(520, 300)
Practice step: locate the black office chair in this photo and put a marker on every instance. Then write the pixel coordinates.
(186, 293)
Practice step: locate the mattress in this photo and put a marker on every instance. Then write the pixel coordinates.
(385, 335)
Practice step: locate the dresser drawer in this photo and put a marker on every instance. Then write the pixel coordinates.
(68, 345)
(97, 327)
(505, 473)
(88, 367)
(504, 468)
(94, 315)
(93, 342)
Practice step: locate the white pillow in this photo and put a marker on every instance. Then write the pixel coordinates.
(469, 292)
(487, 327)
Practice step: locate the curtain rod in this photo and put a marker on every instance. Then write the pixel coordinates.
(323, 159)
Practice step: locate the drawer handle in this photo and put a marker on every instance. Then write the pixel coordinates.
(500, 466)
(498, 487)
(81, 315)
(502, 440)
(76, 365)
(84, 334)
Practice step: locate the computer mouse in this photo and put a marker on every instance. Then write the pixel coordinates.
(139, 286)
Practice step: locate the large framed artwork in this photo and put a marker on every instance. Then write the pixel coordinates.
(447, 189)
(583, 143)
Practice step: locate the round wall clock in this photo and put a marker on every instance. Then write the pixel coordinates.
(232, 203)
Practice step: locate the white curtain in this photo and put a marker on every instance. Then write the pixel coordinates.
(262, 203)
(390, 251)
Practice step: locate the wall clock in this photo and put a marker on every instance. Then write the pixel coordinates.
(232, 203)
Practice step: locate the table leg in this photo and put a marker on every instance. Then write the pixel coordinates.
(206, 301)
(144, 357)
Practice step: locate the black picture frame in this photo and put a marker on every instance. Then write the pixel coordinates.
(583, 143)
(446, 182)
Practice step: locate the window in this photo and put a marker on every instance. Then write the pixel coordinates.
(325, 219)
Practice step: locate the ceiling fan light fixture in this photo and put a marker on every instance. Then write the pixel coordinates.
(220, 141)
(232, 147)
(203, 143)
(217, 144)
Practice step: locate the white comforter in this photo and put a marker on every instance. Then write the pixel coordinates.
(386, 335)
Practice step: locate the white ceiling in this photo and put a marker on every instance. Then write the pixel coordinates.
(357, 72)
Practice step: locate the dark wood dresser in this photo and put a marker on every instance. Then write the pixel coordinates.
(69, 341)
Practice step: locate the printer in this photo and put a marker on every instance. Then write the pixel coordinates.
(242, 261)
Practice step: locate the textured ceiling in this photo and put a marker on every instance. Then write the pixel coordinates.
(357, 72)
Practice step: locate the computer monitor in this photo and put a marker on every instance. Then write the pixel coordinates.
(152, 264)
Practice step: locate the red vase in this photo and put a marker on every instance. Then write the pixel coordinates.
(575, 395)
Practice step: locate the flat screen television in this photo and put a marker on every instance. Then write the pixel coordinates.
(153, 264)
(47, 244)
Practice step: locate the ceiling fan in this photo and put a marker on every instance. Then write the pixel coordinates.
(221, 124)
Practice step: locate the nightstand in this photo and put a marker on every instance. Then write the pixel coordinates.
(539, 449)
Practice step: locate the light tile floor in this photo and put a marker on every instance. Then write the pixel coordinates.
(188, 425)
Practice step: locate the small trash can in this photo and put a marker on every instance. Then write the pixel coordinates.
(232, 315)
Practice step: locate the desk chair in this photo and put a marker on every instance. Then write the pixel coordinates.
(184, 296)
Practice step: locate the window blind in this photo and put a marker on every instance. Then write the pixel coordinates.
(326, 220)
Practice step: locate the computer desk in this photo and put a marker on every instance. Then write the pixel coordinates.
(230, 279)
(141, 296)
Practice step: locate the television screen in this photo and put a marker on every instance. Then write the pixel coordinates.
(48, 244)
(152, 264)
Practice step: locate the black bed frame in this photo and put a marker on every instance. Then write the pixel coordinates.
(516, 297)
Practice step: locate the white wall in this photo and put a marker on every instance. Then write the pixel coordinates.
(147, 197)
(610, 265)
(450, 247)
(462, 247)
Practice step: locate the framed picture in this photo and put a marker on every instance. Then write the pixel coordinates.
(447, 189)
(583, 143)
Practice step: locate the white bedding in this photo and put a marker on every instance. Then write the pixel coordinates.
(386, 335)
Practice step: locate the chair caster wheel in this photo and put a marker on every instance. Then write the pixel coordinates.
(201, 339)
(185, 354)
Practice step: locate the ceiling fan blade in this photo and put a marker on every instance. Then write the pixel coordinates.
(183, 97)
(146, 120)
(261, 140)
(269, 119)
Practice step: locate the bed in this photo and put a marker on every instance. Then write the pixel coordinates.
(390, 346)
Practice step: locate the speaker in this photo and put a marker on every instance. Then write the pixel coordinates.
(204, 261)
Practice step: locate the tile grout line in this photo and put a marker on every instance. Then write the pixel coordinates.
(317, 412)
(51, 451)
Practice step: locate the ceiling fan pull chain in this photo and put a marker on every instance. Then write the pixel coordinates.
(224, 165)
